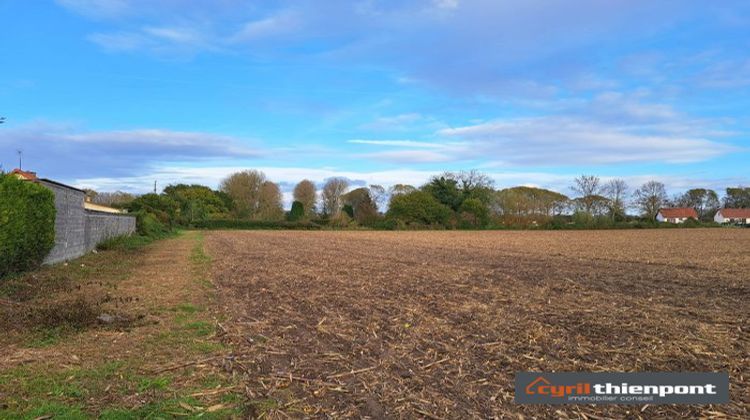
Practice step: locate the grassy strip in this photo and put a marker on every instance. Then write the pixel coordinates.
(122, 389)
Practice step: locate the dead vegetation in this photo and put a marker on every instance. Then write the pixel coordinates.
(435, 324)
(126, 333)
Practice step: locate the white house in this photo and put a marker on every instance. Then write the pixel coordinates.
(735, 216)
(676, 214)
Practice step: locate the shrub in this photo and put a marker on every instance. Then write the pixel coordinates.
(474, 214)
(162, 207)
(418, 208)
(147, 224)
(297, 212)
(254, 224)
(27, 224)
(349, 210)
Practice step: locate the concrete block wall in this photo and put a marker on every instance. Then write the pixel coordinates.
(70, 223)
(78, 231)
(103, 226)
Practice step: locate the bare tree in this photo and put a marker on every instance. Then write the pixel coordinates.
(305, 193)
(616, 190)
(399, 189)
(650, 197)
(704, 201)
(379, 195)
(333, 189)
(473, 179)
(244, 188)
(117, 198)
(589, 189)
(270, 202)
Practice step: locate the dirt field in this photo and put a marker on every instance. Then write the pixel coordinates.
(435, 324)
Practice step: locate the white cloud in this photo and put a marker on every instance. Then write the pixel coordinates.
(575, 141)
(57, 149)
(399, 143)
(283, 23)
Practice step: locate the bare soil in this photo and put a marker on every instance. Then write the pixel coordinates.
(436, 324)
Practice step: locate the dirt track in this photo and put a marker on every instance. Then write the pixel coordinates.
(435, 324)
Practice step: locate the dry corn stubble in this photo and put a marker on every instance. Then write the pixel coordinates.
(435, 324)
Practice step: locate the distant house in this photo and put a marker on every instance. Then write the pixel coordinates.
(676, 214)
(735, 216)
(24, 175)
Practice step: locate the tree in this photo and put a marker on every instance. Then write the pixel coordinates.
(333, 189)
(379, 195)
(398, 189)
(704, 201)
(589, 189)
(592, 205)
(270, 205)
(305, 193)
(451, 189)
(475, 184)
(650, 197)
(297, 212)
(418, 207)
(522, 205)
(113, 199)
(737, 198)
(445, 190)
(615, 191)
(162, 207)
(244, 189)
(360, 206)
(474, 214)
(196, 202)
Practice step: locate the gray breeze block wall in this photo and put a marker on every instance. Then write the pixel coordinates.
(78, 231)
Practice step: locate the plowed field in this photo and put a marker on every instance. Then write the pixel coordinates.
(435, 324)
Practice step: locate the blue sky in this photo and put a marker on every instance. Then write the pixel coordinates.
(113, 94)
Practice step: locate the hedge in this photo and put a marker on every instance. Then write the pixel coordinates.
(27, 224)
(254, 224)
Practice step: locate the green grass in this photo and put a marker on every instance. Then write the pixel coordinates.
(40, 388)
(46, 337)
(132, 242)
(187, 308)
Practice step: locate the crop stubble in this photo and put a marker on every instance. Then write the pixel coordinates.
(435, 324)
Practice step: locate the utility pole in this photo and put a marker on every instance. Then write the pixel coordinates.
(20, 158)
(154, 186)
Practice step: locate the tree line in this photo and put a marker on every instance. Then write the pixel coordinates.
(465, 199)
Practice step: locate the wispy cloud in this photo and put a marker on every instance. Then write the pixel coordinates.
(399, 143)
(69, 151)
(572, 141)
(611, 128)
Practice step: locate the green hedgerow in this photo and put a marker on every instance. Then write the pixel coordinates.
(27, 224)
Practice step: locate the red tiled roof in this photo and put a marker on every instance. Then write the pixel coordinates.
(31, 176)
(678, 212)
(735, 213)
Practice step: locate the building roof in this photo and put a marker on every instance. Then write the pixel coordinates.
(88, 205)
(735, 213)
(60, 184)
(27, 175)
(678, 212)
